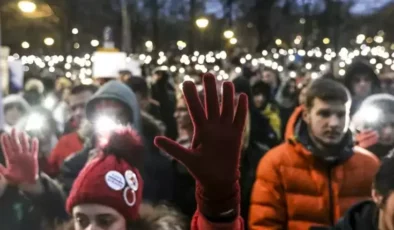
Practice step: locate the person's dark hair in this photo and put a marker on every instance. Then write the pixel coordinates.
(165, 75)
(326, 90)
(81, 88)
(138, 85)
(384, 178)
(261, 87)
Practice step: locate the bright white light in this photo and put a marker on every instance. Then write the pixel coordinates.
(51, 69)
(371, 114)
(323, 67)
(94, 43)
(233, 41)
(238, 70)
(341, 72)
(148, 44)
(49, 102)
(202, 23)
(308, 66)
(49, 41)
(35, 122)
(27, 6)
(105, 124)
(75, 31)
(76, 45)
(293, 74)
(25, 45)
(228, 34)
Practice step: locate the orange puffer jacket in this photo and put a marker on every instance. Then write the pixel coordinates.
(295, 190)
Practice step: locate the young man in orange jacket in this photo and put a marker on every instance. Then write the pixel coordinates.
(318, 173)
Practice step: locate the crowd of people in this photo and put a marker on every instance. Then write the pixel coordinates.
(259, 151)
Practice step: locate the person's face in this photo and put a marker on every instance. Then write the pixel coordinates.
(386, 131)
(362, 86)
(182, 115)
(258, 100)
(302, 96)
(142, 101)
(269, 77)
(386, 210)
(292, 88)
(13, 115)
(156, 77)
(77, 104)
(327, 121)
(97, 217)
(387, 86)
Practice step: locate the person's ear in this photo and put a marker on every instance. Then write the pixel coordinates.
(306, 116)
(377, 198)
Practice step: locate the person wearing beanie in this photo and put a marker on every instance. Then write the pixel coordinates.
(117, 101)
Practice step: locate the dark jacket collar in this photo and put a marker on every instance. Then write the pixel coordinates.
(344, 149)
(362, 216)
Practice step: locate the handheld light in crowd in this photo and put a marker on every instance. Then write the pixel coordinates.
(105, 124)
(370, 114)
(49, 102)
(35, 122)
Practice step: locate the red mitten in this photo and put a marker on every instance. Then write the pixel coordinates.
(367, 138)
(213, 158)
(20, 157)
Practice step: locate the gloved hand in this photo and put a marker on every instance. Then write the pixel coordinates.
(213, 159)
(367, 138)
(20, 158)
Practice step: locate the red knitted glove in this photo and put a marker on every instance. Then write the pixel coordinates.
(367, 138)
(213, 158)
(20, 158)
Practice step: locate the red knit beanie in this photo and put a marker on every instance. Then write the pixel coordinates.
(112, 178)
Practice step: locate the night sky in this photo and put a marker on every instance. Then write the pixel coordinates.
(362, 7)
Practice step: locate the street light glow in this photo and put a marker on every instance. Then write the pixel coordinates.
(94, 43)
(233, 41)
(202, 23)
(49, 41)
(149, 44)
(25, 45)
(75, 31)
(326, 41)
(27, 6)
(228, 34)
(278, 42)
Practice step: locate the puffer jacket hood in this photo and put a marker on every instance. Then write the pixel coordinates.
(115, 90)
(362, 216)
(15, 99)
(360, 67)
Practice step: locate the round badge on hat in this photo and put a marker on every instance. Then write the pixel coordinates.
(115, 180)
(131, 180)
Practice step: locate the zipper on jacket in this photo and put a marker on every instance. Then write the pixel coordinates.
(330, 199)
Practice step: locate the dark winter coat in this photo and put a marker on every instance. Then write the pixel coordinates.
(362, 216)
(164, 93)
(20, 211)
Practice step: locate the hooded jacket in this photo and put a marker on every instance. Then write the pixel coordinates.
(362, 216)
(360, 68)
(295, 188)
(14, 100)
(383, 106)
(113, 90)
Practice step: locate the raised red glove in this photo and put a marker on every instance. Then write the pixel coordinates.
(213, 158)
(367, 138)
(20, 157)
